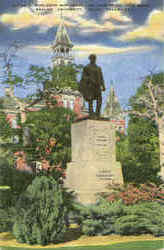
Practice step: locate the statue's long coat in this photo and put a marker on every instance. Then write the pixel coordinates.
(91, 82)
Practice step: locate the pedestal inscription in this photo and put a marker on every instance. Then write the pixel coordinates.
(93, 164)
(104, 175)
(90, 141)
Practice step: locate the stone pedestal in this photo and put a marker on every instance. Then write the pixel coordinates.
(93, 164)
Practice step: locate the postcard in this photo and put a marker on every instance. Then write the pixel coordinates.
(81, 99)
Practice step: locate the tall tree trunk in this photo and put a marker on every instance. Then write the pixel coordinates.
(161, 144)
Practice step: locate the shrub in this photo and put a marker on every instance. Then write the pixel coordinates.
(131, 194)
(146, 217)
(15, 179)
(99, 219)
(117, 218)
(6, 219)
(42, 212)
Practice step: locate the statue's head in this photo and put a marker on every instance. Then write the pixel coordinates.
(92, 58)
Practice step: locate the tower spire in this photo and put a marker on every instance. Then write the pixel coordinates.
(62, 45)
(113, 108)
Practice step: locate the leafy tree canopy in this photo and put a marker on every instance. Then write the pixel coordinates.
(138, 151)
(59, 77)
(141, 101)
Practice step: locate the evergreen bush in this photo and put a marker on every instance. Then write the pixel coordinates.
(17, 181)
(42, 212)
(117, 218)
(6, 219)
(145, 217)
(99, 219)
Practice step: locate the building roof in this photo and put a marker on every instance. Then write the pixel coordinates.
(62, 37)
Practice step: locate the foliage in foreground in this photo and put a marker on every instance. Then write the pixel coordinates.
(99, 219)
(16, 180)
(6, 219)
(42, 212)
(116, 218)
(138, 151)
(141, 218)
(44, 138)
(46, 125)
(132, 194)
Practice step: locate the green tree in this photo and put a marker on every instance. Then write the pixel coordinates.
(42, 212)
(141, 162)
(50, 122)
(139, 150)
(16, 180)
(148, 104)
(45, 135)
(50, 135)
(8, 56)
(56, 78)
(13, 183)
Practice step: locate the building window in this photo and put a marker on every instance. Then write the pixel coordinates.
(15, 138)
(14, 123)
(65, 103)
(72, 104)
(120, 128)
(38, 166)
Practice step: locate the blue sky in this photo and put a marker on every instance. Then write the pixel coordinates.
(129, 41)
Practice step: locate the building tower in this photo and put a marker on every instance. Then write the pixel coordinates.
(62, 47)
(113, 110)
(62, 55)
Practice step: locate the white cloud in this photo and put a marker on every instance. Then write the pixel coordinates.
(116, 15)
(85, 50)
(102, 50)
(153, 28)
(26, 18)
(127, 2)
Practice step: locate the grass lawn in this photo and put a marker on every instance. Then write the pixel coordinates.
(138, 245)
(75, 240)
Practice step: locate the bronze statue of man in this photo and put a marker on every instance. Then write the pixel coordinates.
(92, 84)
